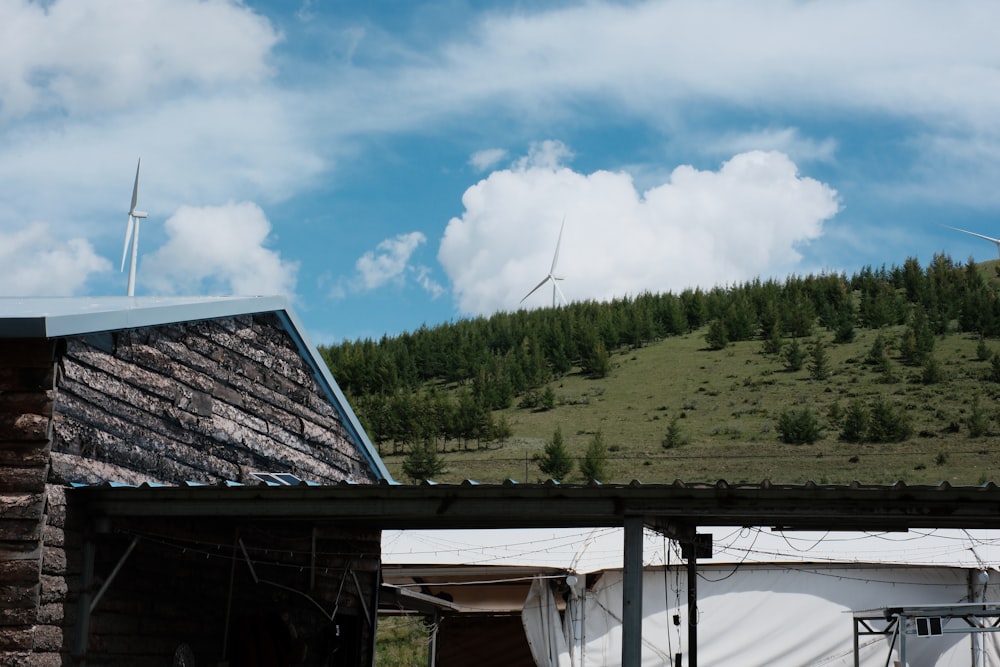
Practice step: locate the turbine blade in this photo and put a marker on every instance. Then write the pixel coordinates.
(555, 257)
(128, 237)
(135, 188)
(537, 287)
(561, 295)
(985, 238)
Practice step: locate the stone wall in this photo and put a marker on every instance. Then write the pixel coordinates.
(199, 401)
(26, 395)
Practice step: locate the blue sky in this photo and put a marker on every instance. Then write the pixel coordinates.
(393, 164)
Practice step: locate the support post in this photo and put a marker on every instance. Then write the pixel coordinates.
(692, 581)
(632, 594)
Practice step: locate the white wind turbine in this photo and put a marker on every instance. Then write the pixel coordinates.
(992, 240)
(552, 273)
(132, 232)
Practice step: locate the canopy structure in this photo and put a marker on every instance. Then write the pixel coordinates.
(677, 510)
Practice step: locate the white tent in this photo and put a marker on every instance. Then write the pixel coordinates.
(765, 598)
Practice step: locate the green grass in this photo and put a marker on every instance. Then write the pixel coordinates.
(728, 402)
(401, 641)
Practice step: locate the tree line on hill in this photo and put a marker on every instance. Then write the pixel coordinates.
(442, 385)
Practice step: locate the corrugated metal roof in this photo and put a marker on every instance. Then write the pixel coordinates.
(56, 317)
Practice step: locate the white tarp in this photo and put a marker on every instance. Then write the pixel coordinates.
(779, 615)
(765, 598)
(543, 627)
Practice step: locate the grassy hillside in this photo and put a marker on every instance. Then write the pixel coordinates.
(727, 403)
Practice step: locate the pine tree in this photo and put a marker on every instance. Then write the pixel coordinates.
(423, 462)
(819, 364)
(674, 437)
(717, 337)
(794, 356)
(773, 342)
(983, 350)
(555, 461)
(594, 464)
(855, 422)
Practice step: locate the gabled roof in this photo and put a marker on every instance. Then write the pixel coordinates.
(58, 317)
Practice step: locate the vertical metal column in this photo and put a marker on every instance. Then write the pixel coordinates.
(692, 582)
(632, 594)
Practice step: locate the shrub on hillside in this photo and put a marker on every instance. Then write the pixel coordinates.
(977, 422)
(888, 422)
(855, 424)
(799, 427)
(932, 372)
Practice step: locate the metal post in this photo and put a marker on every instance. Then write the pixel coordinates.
(857, 647)
(632, 594)
(692, 582)
(432, 644)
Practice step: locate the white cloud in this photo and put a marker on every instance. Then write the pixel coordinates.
(699, 228)
(114, 54)
(388, 262)
(548, 154)
(485, 159)
(664, 63)
(35, 263)
(217, 249)
(787, 140)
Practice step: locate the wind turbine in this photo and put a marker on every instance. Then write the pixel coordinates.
(987, 238)
(132, 232)
(552, 273)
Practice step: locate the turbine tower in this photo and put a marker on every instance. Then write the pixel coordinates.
(992, 240)
(552, 273)
(132, 232)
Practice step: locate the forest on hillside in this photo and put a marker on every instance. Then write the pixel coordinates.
(443, 384)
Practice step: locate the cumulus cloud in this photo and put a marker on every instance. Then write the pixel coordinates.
(71, 55)
(217, 250)
(699, 228)
(36, 263)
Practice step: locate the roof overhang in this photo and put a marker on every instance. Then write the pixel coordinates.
(55, 317)
(670, 508)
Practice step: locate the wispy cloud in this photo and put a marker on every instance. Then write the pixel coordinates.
(485, 159)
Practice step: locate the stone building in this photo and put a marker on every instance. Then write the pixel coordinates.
(195, 391)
